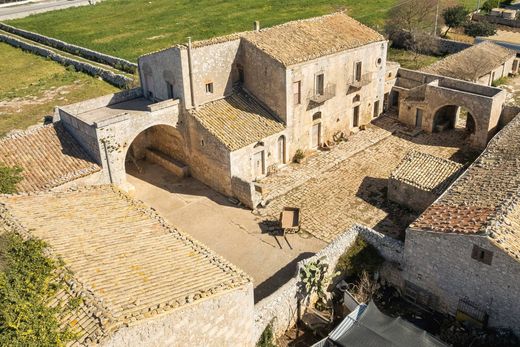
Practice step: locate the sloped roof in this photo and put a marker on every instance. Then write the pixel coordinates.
(485, 199)
(49, 156)
(302, 40)
(134, 264)
(237, 120)
(426, 172)
(472, 63)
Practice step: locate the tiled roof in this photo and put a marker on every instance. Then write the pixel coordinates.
(303, 40)
(49, 156)
(426, 172)
(485, 199)
(238, 120)
(472, 63)
(130, 260)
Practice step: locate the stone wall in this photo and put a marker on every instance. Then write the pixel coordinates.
(445, 46)
(281, 308)
(409, 196)
(496, 20)
(118, 63)
(442, 265)
(223, 320)
(117, 80)
(391, 249)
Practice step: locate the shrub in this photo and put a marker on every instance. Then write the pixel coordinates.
(360, 257)
(9, 178)
(498, 82)
(267, 337)
(298, 156)
(491, 4)
(71, 68)
(482, 28)
(27, 285)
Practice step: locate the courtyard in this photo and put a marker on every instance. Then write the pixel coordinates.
(231, 231)
(354, 190)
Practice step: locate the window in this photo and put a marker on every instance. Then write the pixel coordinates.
(356, 98)
(169, 90)
(358, 71)
(320, 84)
(379, 61)
(355, 117)
(482, 255)
(297, 92)
(316, 116)
(209, 88)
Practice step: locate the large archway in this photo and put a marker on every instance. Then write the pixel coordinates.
(159, 145)
(454, 117)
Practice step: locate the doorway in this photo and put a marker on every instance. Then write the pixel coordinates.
(376, 109)
(259, 164)
(281, 150)
(418, 118)
(355, 117)
(316, 135)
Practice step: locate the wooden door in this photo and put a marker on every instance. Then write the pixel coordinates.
(316, 135)
(258, 164)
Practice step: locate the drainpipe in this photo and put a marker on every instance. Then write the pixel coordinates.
(190, 69)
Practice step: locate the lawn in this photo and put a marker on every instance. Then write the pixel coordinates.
(130, 28)
(409, 60)
(32, 86)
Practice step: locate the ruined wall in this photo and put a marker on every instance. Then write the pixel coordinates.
(409, 196)
(265, 78)
(442, 264)
(337, 111)
(223, 320)
(160, 67)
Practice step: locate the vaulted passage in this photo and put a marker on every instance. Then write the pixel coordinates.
(454, 117)
(161, 145)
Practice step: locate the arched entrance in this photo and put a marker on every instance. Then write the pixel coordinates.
(157, 146)
(281, 149)
(454, 117)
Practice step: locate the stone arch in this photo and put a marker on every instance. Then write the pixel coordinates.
(159, 143)
(447, 116)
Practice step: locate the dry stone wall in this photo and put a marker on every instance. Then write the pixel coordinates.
(118, 63)
(117, 80)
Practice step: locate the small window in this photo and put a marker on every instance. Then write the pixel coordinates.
(379, 61)
(482, 255)
(358, 71)
(169, 90)
(297, 92)
(356, 98)
(209, 88)
(320, 84)
(316, 116)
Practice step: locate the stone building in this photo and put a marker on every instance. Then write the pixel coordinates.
(230, 109)
(462, 255)
(142, 282)
(482, 63)
(420, 179)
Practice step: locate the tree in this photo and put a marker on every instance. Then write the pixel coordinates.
(454, 17)
(481, 28)
(9, 178)
(490, 4)
(411, 16)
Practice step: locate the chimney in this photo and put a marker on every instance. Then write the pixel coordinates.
(256, 25)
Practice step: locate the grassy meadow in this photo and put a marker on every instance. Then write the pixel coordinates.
(31, 86)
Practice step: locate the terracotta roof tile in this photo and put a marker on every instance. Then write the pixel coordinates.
(426, 172)
(472, 63)
(133, 263)
(238, 120)
(485, 199)
(49, 156)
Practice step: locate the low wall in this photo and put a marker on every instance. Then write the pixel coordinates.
(445, 46)
(118, 63)
(391, 249)
(117, 80)
(281, 307)
(102, 101)
(496, 20)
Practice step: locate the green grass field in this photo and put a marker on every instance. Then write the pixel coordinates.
(130, 28)
(408, 60)
(32, 86)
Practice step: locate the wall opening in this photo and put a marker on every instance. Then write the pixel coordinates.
(454, 117)
(281, 149)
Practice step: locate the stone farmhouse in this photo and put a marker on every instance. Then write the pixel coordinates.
(462, 254)
(482, 63)
(230, 109)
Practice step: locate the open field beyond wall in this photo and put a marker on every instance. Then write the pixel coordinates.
(128, 29)
(32, 86)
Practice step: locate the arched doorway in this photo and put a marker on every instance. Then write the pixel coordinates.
(454, 117)
(157, 146)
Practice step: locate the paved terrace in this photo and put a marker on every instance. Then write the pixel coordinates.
(351, 180)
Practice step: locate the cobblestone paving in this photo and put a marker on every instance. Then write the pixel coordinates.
(354, 191)
(294, 175)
